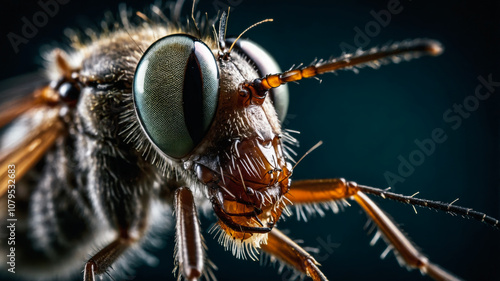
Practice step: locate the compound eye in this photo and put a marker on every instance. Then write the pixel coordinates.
(175, 93)
(265, 65)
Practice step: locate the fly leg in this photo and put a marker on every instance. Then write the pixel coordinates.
(282, 247)
(325, 190)
(128, 235)
(103, 260)
(190, 248)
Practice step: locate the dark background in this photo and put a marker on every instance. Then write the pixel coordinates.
(366, 121)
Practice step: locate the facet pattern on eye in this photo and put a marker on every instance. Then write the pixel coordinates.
(175, 93)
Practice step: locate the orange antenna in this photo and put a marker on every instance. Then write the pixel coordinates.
(375, 57)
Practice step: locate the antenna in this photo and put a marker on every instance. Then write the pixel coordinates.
(375, 57)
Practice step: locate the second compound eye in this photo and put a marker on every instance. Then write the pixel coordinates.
(175, 93)
(265, 64)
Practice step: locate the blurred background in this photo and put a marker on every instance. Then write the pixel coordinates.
(367, 121)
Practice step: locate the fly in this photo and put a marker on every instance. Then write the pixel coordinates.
(163, 114)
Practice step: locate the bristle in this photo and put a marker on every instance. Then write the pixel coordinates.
(375, 238)
(241, 249)
(386, 251)
(282, 266)
(434, 48)
(287, 142)
(306, 210)
(379, 235)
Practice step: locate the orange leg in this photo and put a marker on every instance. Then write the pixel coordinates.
(280, 246)
(325, 190)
